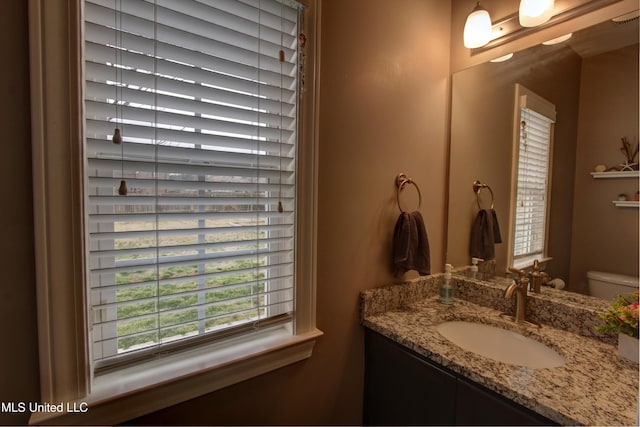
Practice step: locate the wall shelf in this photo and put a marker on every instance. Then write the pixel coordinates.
(616, 174)
(620, 174)
(626, 203)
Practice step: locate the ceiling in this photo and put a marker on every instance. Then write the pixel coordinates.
(606, 36)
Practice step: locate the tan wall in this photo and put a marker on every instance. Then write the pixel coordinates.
(383, 110)
(19, 355)
(605, 238)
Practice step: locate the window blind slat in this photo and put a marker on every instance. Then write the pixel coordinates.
(162, 250)
(179, 119)
(142, 52)
(101, 184)
(214, 72)
(137, 31)
(171, 286)
(108, 218)
(105, 74)
(106, 94)
(164, 233)
(227, 15)
(211, 290)
(171, 260)
(147, 134)
(195, 170)
(284, 306)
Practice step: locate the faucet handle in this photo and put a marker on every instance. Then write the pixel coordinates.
(524, 283)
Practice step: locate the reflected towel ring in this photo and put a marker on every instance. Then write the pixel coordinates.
(477, 186)
(401, 181)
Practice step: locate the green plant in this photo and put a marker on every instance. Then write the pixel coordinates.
(621, 316)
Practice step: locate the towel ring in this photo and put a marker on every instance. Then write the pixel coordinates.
(401, 181)
(477, 186)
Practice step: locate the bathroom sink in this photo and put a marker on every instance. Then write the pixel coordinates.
(500, 344)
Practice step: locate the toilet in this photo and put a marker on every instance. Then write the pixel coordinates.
(609, 285)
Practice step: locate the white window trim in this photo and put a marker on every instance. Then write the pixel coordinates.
(525, 98)
(57, 159)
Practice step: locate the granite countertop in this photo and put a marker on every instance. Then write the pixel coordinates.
(594, 387)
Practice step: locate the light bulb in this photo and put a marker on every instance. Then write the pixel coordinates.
(535, 12)
(477, 29)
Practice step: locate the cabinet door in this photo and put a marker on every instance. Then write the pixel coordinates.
(479, 406)
(402, 389)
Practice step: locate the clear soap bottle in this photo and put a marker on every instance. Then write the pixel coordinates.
(474, 268)
(447, 290)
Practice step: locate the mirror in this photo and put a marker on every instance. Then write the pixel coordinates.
(592, 79)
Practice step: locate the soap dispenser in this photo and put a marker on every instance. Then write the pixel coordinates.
(446, 288)
(474, 268)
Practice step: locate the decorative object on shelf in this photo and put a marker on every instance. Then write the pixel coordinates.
(622, 317)
(630, 150)
(600, 168)
(622, 197)
(637, 196)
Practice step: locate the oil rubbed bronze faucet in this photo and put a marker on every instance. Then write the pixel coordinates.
(519, 288)
(538, 278)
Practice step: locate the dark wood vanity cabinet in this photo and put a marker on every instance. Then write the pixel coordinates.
(403, 388)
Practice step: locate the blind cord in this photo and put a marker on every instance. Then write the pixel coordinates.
(281, 57)
(257, 261)
(156, 168)
(117, 133)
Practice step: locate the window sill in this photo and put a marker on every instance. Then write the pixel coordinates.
(526, 263)
(132, 392)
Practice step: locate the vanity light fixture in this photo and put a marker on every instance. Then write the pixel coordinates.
(558, 40)
(543, 14)
(477, 29)
(535, 12)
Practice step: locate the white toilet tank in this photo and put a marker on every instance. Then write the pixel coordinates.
(609, 285)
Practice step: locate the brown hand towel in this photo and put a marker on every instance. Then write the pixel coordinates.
(485, 233)
(496, 228)
(411, 245)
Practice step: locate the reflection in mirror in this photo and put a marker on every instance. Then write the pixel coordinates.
(592, 79)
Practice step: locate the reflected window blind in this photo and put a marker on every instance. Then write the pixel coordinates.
(202, 244)
(532, 185)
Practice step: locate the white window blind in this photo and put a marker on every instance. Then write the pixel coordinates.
(532, 194)
(202, 244)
